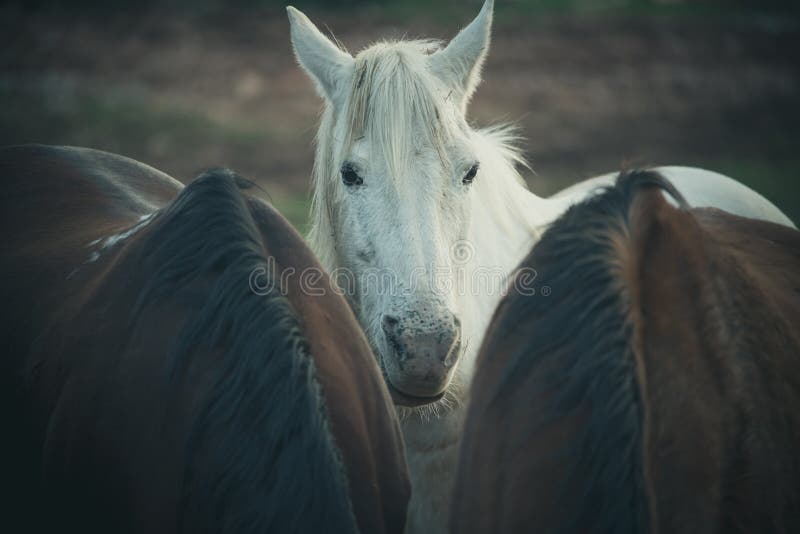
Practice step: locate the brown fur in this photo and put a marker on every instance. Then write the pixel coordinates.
(699, 311)
(720, 299)
(93, 427)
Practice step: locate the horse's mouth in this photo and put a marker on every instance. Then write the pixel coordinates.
(410, 401)
(404, 399)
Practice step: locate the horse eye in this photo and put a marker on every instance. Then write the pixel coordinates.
(350, 176)
(470, 176)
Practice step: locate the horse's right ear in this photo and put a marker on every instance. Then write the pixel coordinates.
(327, 64)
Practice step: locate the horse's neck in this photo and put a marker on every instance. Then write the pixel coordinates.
(507, 220)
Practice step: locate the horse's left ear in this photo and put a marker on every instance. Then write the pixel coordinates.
(327, 64)
(459, 63)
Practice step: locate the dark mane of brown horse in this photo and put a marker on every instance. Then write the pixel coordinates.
(656, 388)
(263, 377)
(160, 393)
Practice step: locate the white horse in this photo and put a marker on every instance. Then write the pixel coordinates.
(404, 186)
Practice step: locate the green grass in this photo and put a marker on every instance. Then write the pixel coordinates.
(124, 121)
(56, 111)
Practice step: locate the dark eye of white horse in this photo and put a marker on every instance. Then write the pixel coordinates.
(350, 176)
(470, 176)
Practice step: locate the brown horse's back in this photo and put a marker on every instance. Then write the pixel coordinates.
(769, 253)
(151, 387)
(654, 388)
(55, 202)
(720, 368)
(54, 194)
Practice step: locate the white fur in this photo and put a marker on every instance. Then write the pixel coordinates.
(396, 113)
(329, 66)
(459, 64)
(110, 241)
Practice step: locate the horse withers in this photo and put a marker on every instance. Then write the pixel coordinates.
(162, 372)
(643, 375)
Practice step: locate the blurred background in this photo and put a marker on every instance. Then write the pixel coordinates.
(594, 85)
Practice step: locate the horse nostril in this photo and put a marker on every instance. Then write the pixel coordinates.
(389, 323)
(452, 345)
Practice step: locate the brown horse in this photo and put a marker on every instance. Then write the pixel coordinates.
(161, 373)
(651, 383)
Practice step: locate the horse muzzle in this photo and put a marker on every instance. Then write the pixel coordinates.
(421, 360)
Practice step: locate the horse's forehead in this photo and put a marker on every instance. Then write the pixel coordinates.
(412, 131)
(415, 155)
(399, 113)
(396, 76)
(413, 52)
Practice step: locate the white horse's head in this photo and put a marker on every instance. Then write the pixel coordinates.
(395, 178)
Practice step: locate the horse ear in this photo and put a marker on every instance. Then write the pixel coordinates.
(327, 64)
(459, 63)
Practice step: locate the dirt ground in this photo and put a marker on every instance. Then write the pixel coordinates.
(590, 93)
